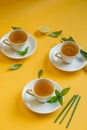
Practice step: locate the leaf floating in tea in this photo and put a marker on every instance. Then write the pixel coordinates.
(23, 52)
(40, 73)
(55, 34)
(16, 28)
(15, 66)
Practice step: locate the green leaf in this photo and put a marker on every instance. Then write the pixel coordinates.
(57, 93)
(16, 28)
(60, 99)
(58, 96)
(40, 73)
(23, 52)
(64, 91)
(55, 34)
(52, 99)
(84, 53)
(67, 39)
(15, 66)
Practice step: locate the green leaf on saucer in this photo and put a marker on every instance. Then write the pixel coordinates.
(60, 99)
(67, 39)
(52, 99)
(64, 91)
(58, 96)
(57, 93)
(40, 73)
(15, 66)
(55, 34)
(16, 28)
(23, 52)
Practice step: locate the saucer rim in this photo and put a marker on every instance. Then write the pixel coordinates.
(58, 66)
(2, 49)
(57, 86)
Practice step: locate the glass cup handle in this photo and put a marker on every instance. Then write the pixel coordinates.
(29, 91)
(6, 42)
(58, 55)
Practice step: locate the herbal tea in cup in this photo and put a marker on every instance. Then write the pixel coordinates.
(68, 51)
(16, 39)
(42, 90)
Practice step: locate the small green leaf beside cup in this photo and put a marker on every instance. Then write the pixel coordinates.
(23, 52)
(55, 34)
(67, 39)
(58, 96)
(53, 99)
(64, 91)
(15, 66)
(13, 27)
(40, 72)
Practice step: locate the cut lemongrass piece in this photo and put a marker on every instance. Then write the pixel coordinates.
(69, 102)
(73, 112)
(84, 53)
(43, 29)
(68, 109)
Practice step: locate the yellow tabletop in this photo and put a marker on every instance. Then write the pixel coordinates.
(70, 16)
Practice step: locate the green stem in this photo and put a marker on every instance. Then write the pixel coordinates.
(84, 53)
(73, 111)
(64, 108)
(68, 109)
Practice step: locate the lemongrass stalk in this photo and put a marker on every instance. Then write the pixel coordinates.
(68, 109)
(73, 112)
(69, 102)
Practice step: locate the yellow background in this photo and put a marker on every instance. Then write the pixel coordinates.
(67, 15)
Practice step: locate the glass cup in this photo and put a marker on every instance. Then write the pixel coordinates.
(42, 90)
(68, 51)
(16, 39)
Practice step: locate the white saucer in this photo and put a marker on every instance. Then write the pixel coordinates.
(7, 51)
(33, 105)
(77, 64)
